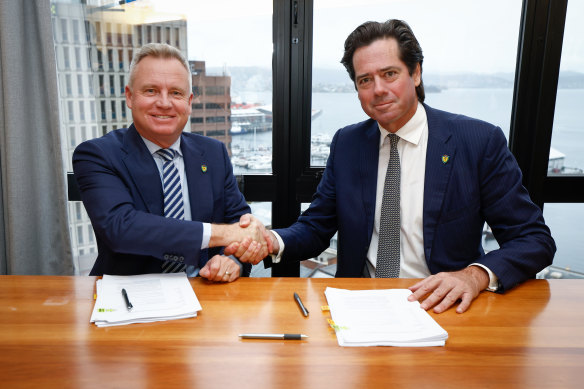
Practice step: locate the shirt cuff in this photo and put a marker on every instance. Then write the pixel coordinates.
(493, 279)
(206, 236)
(276, 258)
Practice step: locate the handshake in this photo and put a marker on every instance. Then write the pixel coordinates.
(247, 240)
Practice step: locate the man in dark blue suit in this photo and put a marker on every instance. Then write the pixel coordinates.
(456, 174)
(120, 176)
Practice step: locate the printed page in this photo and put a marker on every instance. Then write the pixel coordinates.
(154, 297)
(381, 317)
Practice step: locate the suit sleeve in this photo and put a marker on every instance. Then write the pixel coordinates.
(526, 244)
(109, 197)
(311, 234)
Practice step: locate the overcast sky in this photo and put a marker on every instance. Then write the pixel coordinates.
(455, 35)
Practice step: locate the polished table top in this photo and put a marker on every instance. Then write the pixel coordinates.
(531, 337)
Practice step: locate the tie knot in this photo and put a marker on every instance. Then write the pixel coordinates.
(393, 139)
(167, 154)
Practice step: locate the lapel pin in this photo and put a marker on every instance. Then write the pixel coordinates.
(445, 158)
(204, 168)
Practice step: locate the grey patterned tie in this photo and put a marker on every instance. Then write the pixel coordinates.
(388, 251)
(173, 199)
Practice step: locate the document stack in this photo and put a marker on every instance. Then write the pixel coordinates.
(143, 299)
(382, 318)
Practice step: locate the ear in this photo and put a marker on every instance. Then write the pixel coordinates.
(128, 93)
(417, 76)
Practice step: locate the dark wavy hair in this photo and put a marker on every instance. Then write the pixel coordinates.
(409, 48)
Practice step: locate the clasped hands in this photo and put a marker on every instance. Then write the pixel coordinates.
(247, 239)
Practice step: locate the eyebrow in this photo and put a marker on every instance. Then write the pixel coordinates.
(391, 67)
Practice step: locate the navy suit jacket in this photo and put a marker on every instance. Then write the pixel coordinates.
(121, 189)
(480, 182)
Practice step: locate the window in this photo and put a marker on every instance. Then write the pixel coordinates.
(79, 235)
(110, 59)
(566, 155)
(76, 31)
(101, 85)
(215, 119)
(215, 90)
(80, 85)
(77, 53)
(113, 105)
(68, 88)
(82, 111)
(70, 111)
(66, 58)
(72, 136)
(121, 59)
(122, 85)
(64, 32)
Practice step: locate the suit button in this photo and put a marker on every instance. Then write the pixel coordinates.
(181, 258)
(175, 258)
(166, 256)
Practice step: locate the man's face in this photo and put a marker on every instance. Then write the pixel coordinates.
(160, 99)
(386, 90)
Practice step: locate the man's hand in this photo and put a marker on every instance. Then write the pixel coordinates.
(249, 231)
(220, 268)
(251, 251)
(445, 289)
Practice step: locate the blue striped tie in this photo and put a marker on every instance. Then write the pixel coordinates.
(173, 199)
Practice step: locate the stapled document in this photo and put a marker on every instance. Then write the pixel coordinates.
(154, 297)
(382, 318)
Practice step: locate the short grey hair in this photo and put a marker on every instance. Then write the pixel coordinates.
(158, 50)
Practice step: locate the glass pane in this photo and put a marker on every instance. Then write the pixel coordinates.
(229, 47)
(325, 264)
(566, 155)
(565, 222)
(469, 66)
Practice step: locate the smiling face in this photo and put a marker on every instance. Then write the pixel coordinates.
(160, 99)
(385, 88)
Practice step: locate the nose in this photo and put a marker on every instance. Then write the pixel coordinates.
(378, 86)
(163, 100)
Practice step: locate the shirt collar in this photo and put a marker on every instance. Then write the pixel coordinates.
(153, 147)
(412, 130)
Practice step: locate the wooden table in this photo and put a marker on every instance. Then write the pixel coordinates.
(531, 337)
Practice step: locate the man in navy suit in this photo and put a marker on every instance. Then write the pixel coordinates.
(120, 178)
(456, 174)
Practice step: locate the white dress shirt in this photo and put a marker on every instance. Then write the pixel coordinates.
(180, 165)
(412, 154)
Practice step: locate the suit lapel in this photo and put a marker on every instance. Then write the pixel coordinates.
(147, 180)
(368, 169)
(440, 157)
(198, 180)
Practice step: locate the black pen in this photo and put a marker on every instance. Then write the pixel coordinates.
(128, 303)
(274, 336)
(299, 302)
